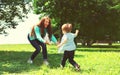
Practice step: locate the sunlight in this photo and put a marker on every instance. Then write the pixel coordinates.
(19, 35)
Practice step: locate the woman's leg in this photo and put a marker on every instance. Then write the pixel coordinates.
(44, 50)
(36, 46)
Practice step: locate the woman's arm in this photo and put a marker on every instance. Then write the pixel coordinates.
(53, 39)
(38, 34)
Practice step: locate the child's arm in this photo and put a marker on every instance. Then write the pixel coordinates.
(76, 33)
(63, 42)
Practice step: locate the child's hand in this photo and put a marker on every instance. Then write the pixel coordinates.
(58, 45)
(77, 31)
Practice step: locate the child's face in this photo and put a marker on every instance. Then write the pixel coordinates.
(63, 31)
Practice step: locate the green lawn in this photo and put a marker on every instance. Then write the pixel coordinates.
(95, 60)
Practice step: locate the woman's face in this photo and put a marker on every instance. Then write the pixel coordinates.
(46, 23)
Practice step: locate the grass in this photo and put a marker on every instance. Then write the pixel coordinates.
(95, 60)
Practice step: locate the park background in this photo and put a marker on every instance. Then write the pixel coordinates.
(96, 19)
(19, 35)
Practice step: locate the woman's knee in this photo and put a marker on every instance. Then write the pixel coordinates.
(44, 46)
(38, 51)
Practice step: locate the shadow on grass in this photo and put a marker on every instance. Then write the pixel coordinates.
(16, 62)
(86, 50)
(99, 48)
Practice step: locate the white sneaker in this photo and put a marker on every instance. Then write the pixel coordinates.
(29, 61)
(61, 66)
(46, 62)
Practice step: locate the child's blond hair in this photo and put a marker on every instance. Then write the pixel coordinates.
(67, 27)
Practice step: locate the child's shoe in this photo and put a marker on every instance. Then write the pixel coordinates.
(77, 67)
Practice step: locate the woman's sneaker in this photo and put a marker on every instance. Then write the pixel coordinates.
(29, 61)
(46, 62)
(61, 66)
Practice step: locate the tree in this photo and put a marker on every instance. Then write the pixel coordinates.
(96, 19)
(11, 12)
(100, 21)
(61, 11)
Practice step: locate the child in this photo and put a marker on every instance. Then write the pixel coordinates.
(67, 45)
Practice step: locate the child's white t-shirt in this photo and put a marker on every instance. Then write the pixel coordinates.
(70, 44)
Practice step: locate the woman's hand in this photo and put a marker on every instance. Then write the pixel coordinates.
(47, 42)
(58, 43)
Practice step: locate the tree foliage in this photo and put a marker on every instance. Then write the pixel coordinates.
(95, 18)
(11, 12)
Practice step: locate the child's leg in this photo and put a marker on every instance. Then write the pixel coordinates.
(65, 56)
(71, 59)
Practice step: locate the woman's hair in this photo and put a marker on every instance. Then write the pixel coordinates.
(42, 27)
(67, 27)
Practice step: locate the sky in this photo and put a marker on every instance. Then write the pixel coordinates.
(19, 35)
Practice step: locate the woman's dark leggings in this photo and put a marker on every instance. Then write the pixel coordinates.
(36, 44)
(70, 56)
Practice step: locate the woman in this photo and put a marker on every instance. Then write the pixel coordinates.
(36, 38)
